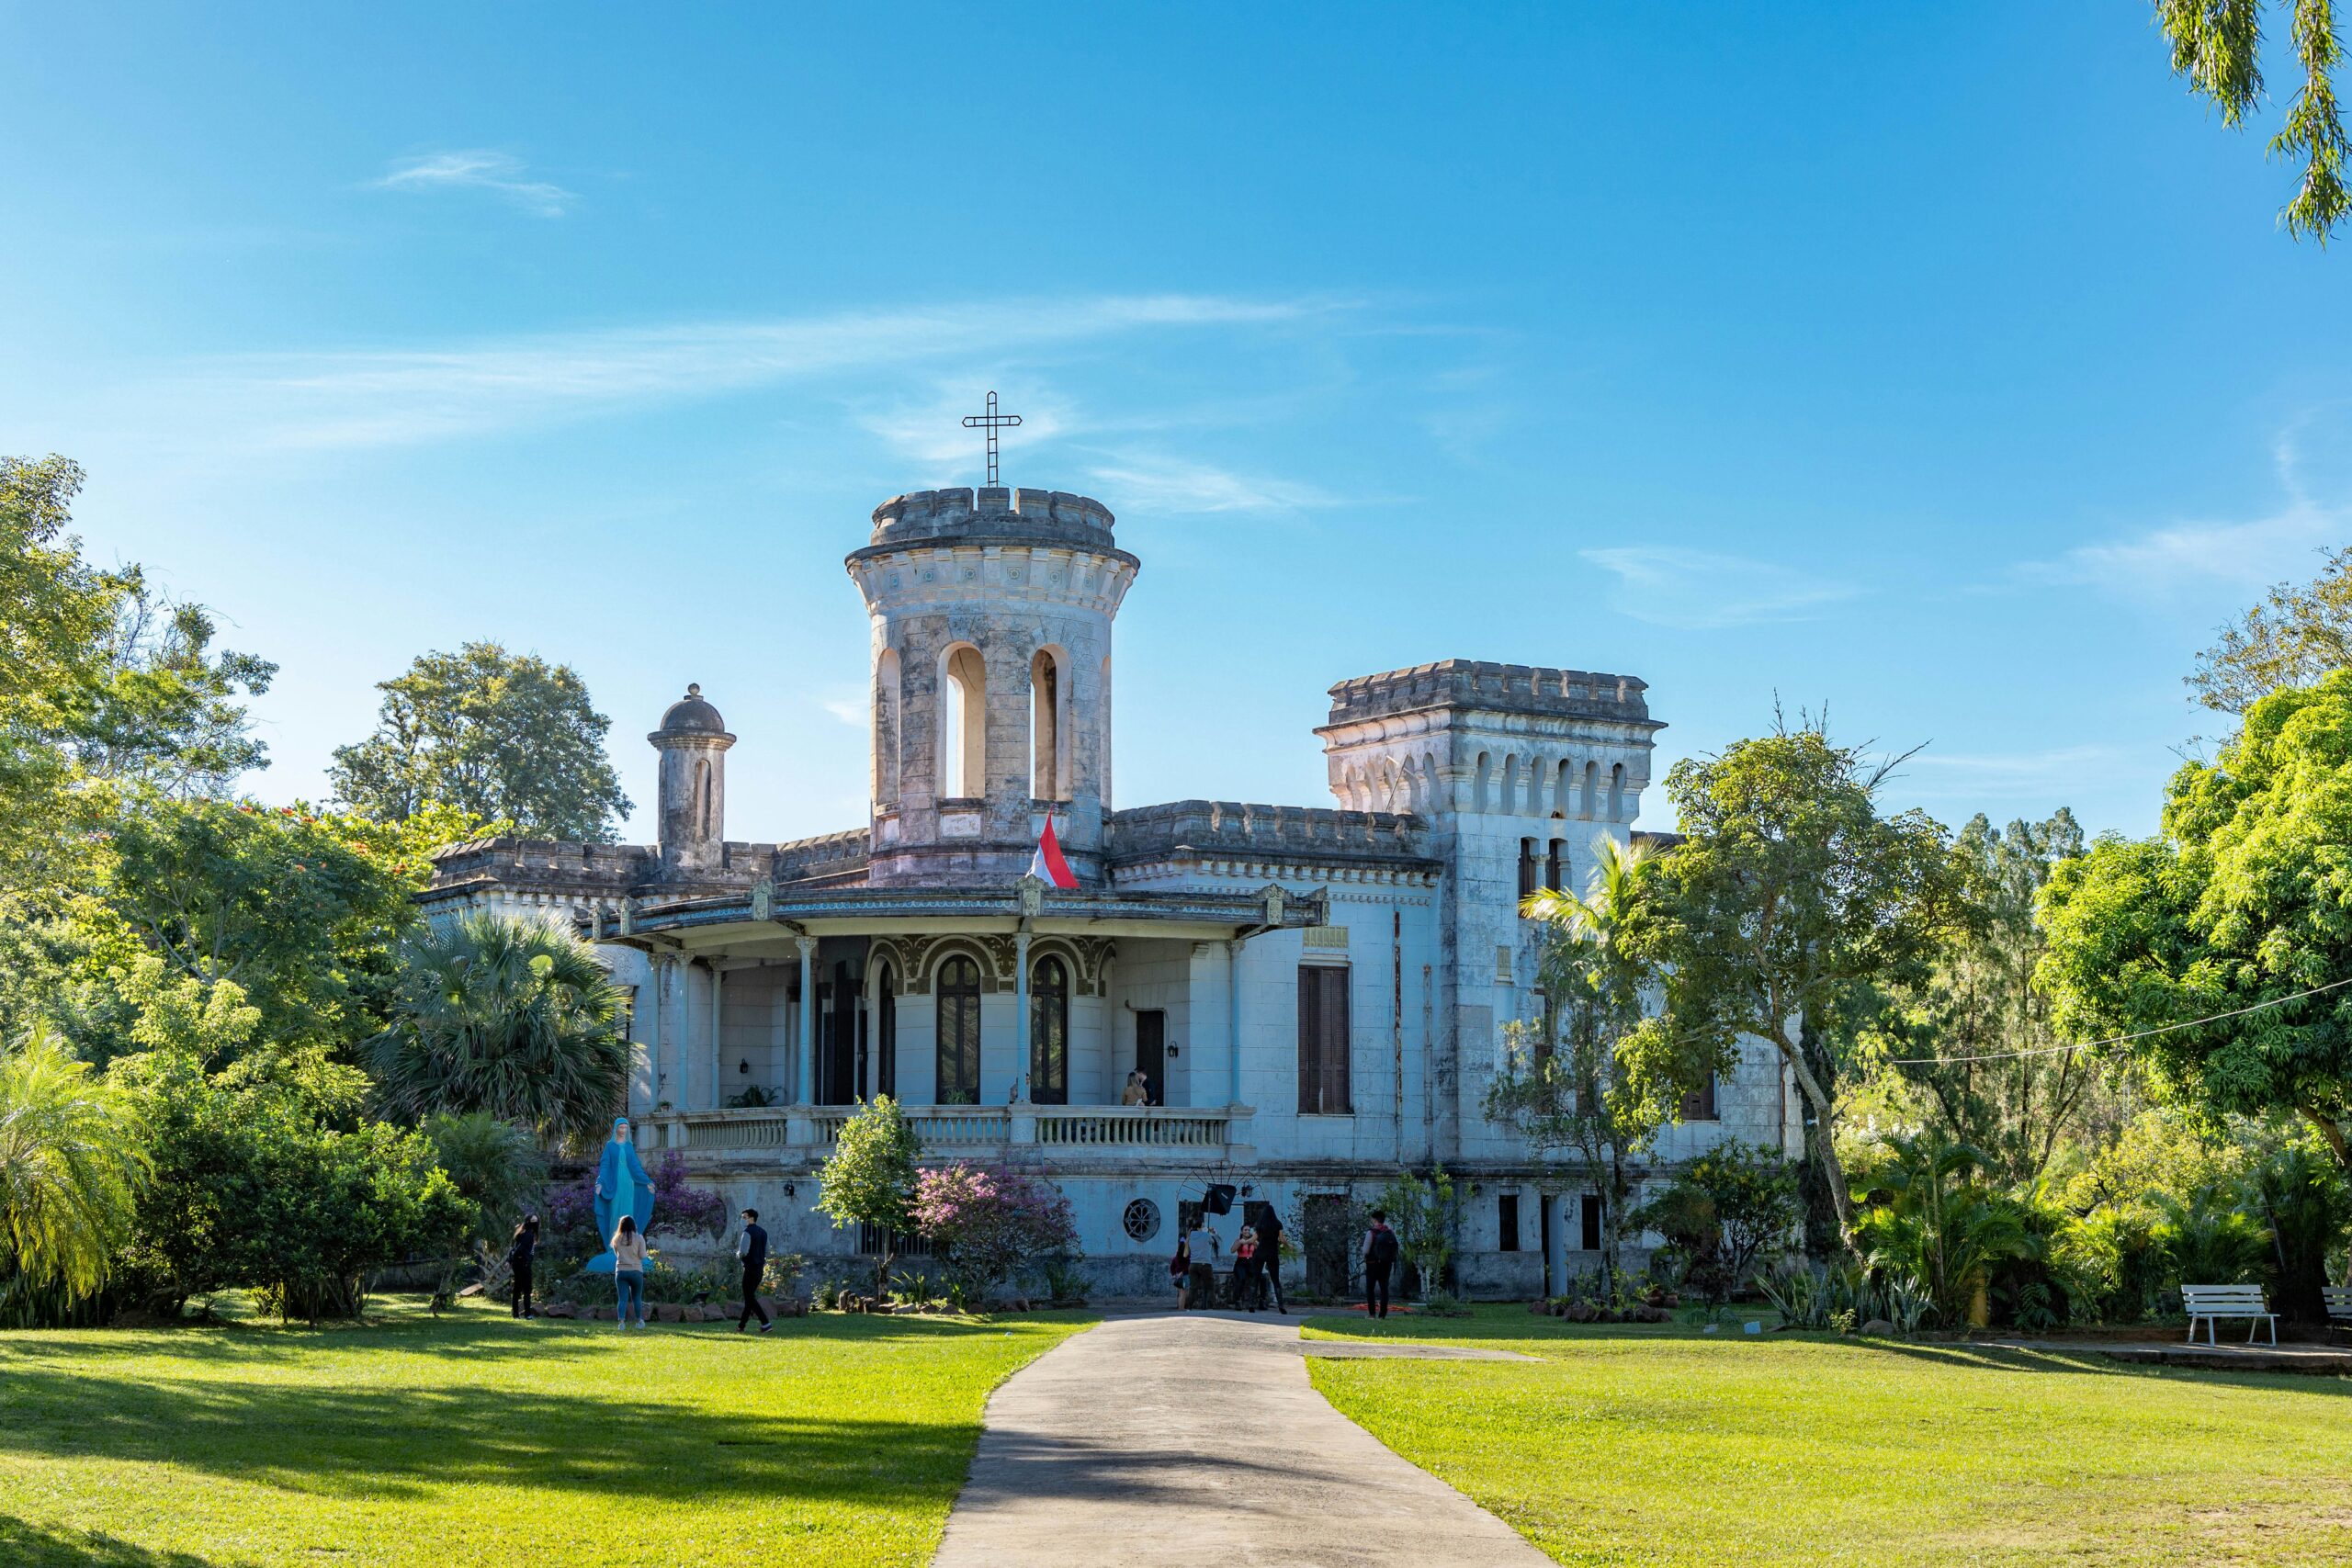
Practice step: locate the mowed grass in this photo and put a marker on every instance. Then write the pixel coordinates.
(1667, 1447)
(479, 1439)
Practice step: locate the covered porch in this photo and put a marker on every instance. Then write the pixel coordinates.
(1000, 1019)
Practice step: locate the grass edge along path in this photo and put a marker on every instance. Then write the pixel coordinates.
(478, 1439)
(1663, 1447)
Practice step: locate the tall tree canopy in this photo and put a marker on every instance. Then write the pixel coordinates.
(2245, 898)
(2299, 633)
(499, 735)
(1960, 1029)
(1789, 897)
(2217, 44)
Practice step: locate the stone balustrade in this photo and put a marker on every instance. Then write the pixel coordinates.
(791, 1132)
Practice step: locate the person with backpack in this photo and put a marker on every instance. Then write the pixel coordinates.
(1268, 1222)
(1379, 1257)
(752, 1246)
(520, 1253)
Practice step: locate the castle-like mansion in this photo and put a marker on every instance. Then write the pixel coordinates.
(1316, 995)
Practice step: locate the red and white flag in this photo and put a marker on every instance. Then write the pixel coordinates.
(1047, 864)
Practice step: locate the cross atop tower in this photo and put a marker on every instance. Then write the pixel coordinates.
(991, 422)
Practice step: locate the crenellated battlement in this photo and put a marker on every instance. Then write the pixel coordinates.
(1251, 828)
(1503, 688)
(992, 512)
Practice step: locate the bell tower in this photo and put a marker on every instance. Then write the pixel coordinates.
(991, 614)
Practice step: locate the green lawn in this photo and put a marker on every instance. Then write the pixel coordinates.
(480, 1439)
(1664, 1447)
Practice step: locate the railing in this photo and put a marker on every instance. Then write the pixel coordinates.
(948, 1128)
(1124, 1127)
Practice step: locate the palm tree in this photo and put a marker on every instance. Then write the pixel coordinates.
(72, 1164)
(509, 1017)
(1931, 1216)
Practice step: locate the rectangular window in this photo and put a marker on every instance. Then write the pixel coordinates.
(1699, 1105)
(1507, 1221)
(1529, 867)
(1588, 1222)
(1552, 865)
(1322, 1040)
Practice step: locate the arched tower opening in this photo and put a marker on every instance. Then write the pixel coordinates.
(962, 723)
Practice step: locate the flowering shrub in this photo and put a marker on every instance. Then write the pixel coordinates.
(987, 1222)
(568, 1215)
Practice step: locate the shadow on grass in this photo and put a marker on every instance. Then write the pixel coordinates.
(403, 1439)
(27, 1545)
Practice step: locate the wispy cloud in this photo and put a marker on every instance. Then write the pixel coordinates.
(1152, 483)
(477, 169)
(379, 399)
(2233, 555)
(2060, 772)
(1698, 590)
(850, 709)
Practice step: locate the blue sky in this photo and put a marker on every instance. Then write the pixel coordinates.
(1939, 365)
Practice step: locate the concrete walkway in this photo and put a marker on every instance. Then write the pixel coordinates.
(1196, 1437)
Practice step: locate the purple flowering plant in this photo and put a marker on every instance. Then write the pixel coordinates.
(986, 1221)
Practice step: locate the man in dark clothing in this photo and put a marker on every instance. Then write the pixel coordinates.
(1270, 1250)
(752, 1246)
(1379, 1258)
(520, 1252)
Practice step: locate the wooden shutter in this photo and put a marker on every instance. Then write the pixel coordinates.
(1699, 1105)
(1322, 1040)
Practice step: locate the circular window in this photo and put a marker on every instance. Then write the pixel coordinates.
(1142, 1219)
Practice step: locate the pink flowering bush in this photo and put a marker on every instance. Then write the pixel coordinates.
(984, 1223)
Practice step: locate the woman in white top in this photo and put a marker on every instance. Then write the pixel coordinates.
(629, 1271)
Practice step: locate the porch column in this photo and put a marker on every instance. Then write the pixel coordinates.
(1021, 1017)
(804, 1087)
(710, 1054)
(1233, 1021)
(653, 1096)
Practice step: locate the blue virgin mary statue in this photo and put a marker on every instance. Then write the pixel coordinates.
(622, 1188)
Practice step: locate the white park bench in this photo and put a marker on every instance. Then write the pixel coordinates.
(2210, 1304)
(2339, 1306)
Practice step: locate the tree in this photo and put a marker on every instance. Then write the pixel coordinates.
(2295, 637)
(509, 1017)
(2242, 902)
(2217, 45)
(303, 912)
(495, 1165)
(1790, 898)
(1929, 1215)
(870, 1180)
(1723, 1211)
(1580, 1077)
(1974, 1035)
(73, 1162)
(499, 735)
(1423, 1211)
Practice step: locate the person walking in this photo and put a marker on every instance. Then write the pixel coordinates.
(1245, 1270)
(751, 1248)
(629, 1253)
(1269, 1225)
(1179, 1271)
(520, 1253)
(1202, 1243)
(1379, 1258)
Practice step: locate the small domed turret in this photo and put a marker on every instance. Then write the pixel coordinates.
(693, 742)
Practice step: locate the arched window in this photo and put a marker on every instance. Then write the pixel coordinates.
(1616, 790)
(1480, 780)
(1049, 1033)
(1509, 794)
(1048, 732)
(959, 1032)
(962, 723)
(1592, 786)
(886, 1032)
(701, 811)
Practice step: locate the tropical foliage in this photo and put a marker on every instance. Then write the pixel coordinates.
(509, 1017)
(73, 1166)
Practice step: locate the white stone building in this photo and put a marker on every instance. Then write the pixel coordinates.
(1316, 993)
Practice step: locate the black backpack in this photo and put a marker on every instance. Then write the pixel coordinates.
(1384, 1247)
